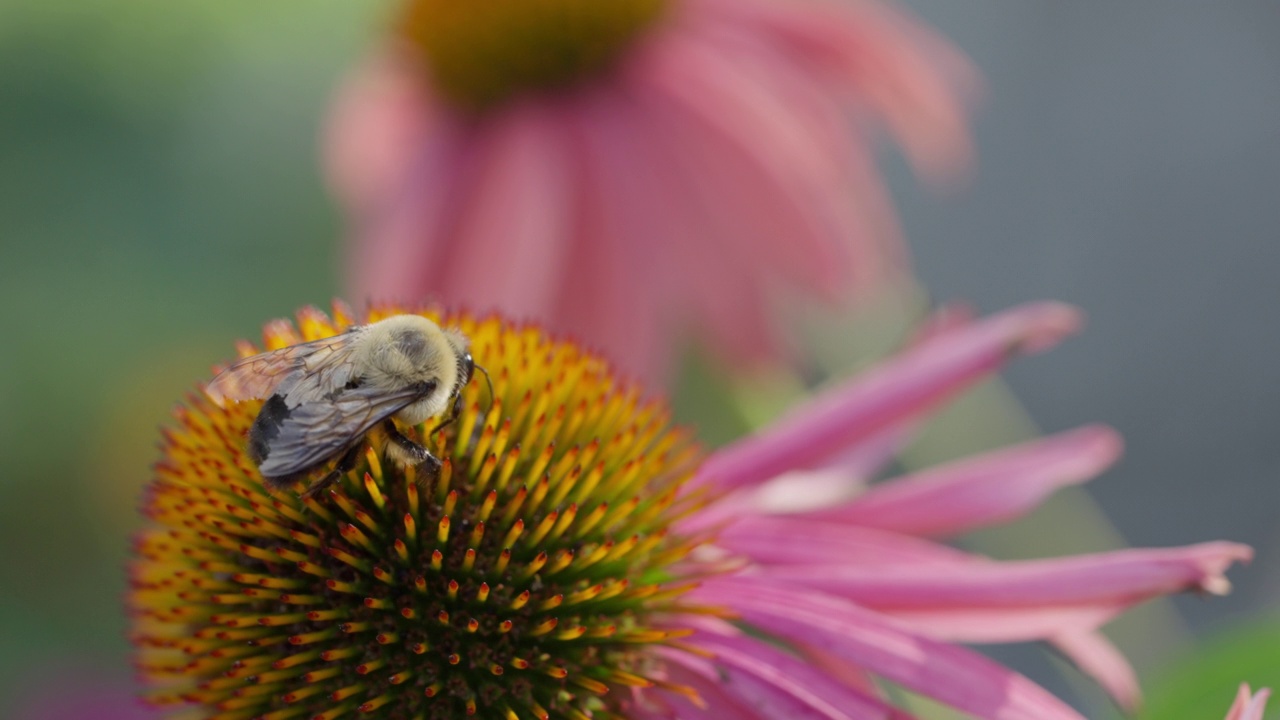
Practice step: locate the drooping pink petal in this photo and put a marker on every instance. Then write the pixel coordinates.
(788, 541)
(981, 490)
(1011, 601)
(845, 475)
(802, 491)
(912, 383)
(721, 113)
(885, 61)
(720, 167)
(846, 672)
(624, 201)
(941, 501)
(924, 583)
(948, 673)
(381, 110)
(728, 297)
(793, 96)
(509, 253)
(403, 172)
(864, 461)
(714, 700)
(1096, 657)
(775, 683)
(1249, 707)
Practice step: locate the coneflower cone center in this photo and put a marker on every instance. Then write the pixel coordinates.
(481, 52)
(519, 582)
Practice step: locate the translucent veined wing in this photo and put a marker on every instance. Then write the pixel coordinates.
(319, 367)
(300, 437)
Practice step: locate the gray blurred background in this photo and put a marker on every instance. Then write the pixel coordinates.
(159, 195)
(1129, 159)
(1130, 164)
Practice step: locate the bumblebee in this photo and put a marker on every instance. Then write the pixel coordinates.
(322, 398)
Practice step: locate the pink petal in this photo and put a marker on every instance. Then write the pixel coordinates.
(1248, 707)
(908, 77)
(1008, 601)
(716, 701)
(910, 384)
(1094, 654)
(508, 249)
(399, 162)
(397, 258)
(1001, 625)
(776, 192)
(379, 111)
(787, 540)
(625, 204)
(749, 199)
(948, 673)
(779, 685)
(983, 490)
(846, 476)
(846, 672)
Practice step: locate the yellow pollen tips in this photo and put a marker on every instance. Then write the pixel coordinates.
(518, 580)
(482, 52)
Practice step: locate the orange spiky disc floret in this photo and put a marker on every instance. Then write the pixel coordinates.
(522, 581)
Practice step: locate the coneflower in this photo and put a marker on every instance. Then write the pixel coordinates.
(634, 170)
(576, 557)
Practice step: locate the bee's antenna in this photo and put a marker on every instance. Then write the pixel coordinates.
(487, 381)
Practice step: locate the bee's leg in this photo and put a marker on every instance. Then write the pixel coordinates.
(345, 465)
(407, 451)
(283, 482)
(453, 415)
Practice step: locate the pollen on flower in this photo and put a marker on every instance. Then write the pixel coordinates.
(482, 52)
(523, 580)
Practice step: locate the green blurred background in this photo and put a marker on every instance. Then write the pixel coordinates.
(159, 197)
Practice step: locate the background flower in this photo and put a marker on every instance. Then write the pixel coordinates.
(705, 172)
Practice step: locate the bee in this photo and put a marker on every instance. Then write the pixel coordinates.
(322, 398)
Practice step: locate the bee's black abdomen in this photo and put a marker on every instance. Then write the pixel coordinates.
(266, 427)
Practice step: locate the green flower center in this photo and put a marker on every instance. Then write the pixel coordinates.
(481, 52)
(522, 581)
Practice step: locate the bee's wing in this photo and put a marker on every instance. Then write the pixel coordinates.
(313, 432)
(323, 366)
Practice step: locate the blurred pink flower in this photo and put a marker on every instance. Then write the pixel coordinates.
(706, 173)
(1248, 706)
(861, 587)
(78, 693)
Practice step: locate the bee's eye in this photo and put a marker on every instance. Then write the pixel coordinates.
(468, 369)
